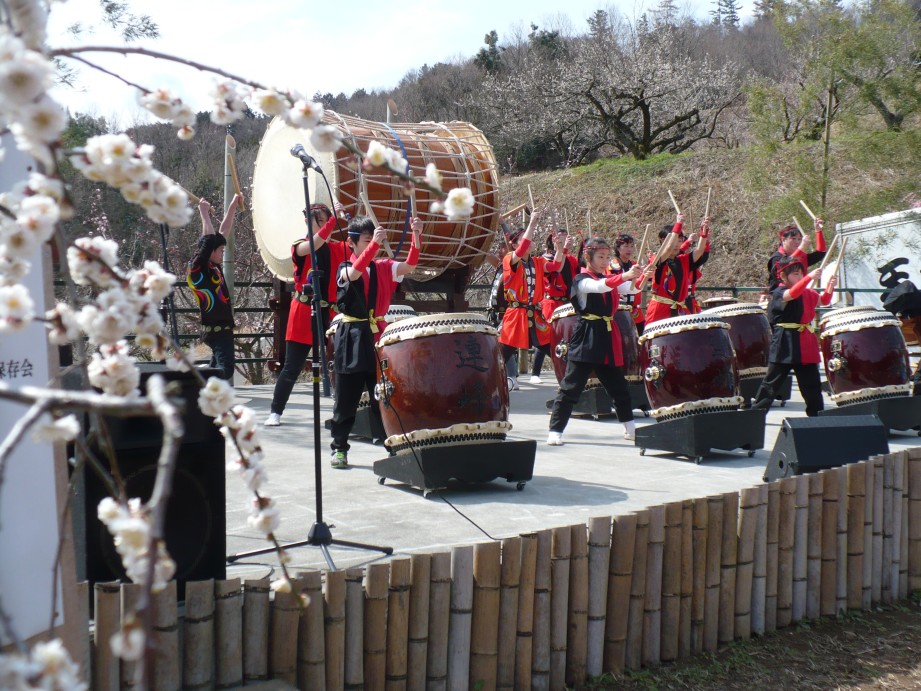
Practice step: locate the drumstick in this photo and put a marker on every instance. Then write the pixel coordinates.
(236, 180)
(531, 197)
(707, 208)
(589, 222)
(808, 210)
(674, 203)
(798, 226)
(828, 255)
(373, 217)
(639, 255)
(566, 217)
(512, 212)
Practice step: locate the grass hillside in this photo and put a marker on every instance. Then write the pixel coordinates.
(754, 193)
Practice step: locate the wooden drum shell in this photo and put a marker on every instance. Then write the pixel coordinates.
(750, 333)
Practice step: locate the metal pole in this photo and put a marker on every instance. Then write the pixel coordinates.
(230, 148)
(825, 155)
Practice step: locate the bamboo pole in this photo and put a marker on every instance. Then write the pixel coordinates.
(311, 633)
(524, 636)
(599, 563)
(745, 562)
(334, 629)
(228, 627)
(107, 610)
(285, 645)
(130, 597)
(698, 598)
(397, 624)
(198, 635)
(687, 577)
(509, 591)
(83, 655)
(728, 558)
(842, 566)
(829, 576)
(866, 592)
(800, 548)
(785, 542)
(759, 563)
(459, 624)
(540, 657)
(652, 607)
(577, 630)
(484, 626)
(165, 673)
(814, 546)
(377, 583)
(886, 565)
(876, 583)
(714, 557)
(634, 649)
(419, 594)
(439, 617)
(914, 519)
(905, 541)
(514, 210)
(898, 535)
(772, 557)
(256, 630)
(354, 628)
(620, 574)
(671, 582)
(856, 489)
(560, 551)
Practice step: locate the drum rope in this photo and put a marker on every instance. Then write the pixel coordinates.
(409, 202)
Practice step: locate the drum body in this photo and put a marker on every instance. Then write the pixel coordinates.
(842, 312)
(445, 381)
(750, 333)
(865, 357)
(628, 343)
(718, 301)
(562, 323)
(459, 150)
(689, 366)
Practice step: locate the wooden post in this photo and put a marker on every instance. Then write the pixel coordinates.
(620, 574)
(560, 550)
(785, 541)
(354, 628)
(866, 593)
(524, 637)
(228, 626)
(800, 548)
(698, 597)
(459, 624)
(772, 556)
(856, 489)
(671, 582)
(397, 624)
(130, 596)
(652, 608)
(898, 517)
(745, 562)
(334, 629)
(509, 584)
(484, 625)
(905, 545)
(914, 519)
(165, 673)
(888, 507)
(439, 617)
(759, 563)
(107, 609)
(286, 648)
(728, 557)
(634, 650)
(419, 594)
(198, 635)
(540, 658)
(377, 582)
(83, 656)
(829, 576)
(577, 630)
(814, 546)
(876, 583)
(687, 577)
(599, 561)
(256, 630)
(714, 557)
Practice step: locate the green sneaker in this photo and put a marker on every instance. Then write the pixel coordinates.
(340, 459)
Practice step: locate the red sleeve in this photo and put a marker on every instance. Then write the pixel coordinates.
(553, 267)
(365, 259)
(820, 245)
(676, 229)
(800, 287)
(827, 296)
(522, 248)
(613, 281)
(327, 228)
(685, 246)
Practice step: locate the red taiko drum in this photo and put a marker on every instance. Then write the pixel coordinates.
(444, 378)
(842, 312)
(865, 357)
(689, 366)
(750, 333)
(629, 345)
(562, 323)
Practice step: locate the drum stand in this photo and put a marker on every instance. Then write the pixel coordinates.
(694, 435)
(319, 534)
(897, 412)
(595, 402)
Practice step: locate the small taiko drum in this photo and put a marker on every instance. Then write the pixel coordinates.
(718, 301)
(689, 366)
(562, 324)
(750, 333)
(841, 312)
(865, 357)
(444, 380)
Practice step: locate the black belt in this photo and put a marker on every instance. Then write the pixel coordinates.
(305, 298)
(216, 329)
(523, 305)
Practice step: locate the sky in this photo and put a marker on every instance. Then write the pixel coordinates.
(303, 44)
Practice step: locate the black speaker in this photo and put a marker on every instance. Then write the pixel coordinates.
(806, 445)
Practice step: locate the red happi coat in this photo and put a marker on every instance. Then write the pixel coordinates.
(524, 316)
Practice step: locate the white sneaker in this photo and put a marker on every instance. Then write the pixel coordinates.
(534, 379)
(513, 384)
(273, 420)
(629, 436)
(555, 439)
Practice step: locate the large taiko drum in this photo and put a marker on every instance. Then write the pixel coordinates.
(629, 344)
(563, 322)
(689, 366)
(459, 150)
(750, 333)
(841, 312)
(865, 357)
(445, 381)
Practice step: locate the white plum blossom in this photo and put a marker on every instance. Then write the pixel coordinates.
(216, 397)
(304, 114)
(377, 154)
(128, 644)
(270, 101)
(12, 269)
(16, 308)
(281, 585)
(130, 529)
(433, 176)
(84, 269)
(62, 323)
(25, 76)
(459, 204)
(396, 162)
(29, 20)
(114, 371)
(264, 517)
(63, 429)
(48, 667)
(161, 102)
(176, 362)
(326, 138)
(229, 102)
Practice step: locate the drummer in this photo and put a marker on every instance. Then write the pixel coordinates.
(624, 251)
(793, 243)
(673, 272)
(299, 332)
(365, 286)
(595, 344)
(691, 301)
(556, 291)
(794, 345)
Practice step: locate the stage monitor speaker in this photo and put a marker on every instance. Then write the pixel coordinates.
(807, 445)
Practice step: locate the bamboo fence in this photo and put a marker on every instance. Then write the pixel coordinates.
(551, 609)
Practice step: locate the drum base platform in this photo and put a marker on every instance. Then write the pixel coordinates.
(638, 397)
(438, 466)
(695, 435)
(899, 412)
(749, 387)
(365, 427)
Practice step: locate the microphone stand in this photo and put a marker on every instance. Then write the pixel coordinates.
(168, 305)
(319, 534)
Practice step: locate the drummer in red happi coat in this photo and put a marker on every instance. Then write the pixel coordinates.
(556, 288)
(621, 261)
(794, 243)
(673, 273)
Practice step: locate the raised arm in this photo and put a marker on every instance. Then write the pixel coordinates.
(525, 241)
(354, 272)
(412, 258)
(703, 242)
(204, 211)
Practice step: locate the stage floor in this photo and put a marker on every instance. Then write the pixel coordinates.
(596, 473)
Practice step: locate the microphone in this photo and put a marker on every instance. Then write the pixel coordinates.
(298, 151)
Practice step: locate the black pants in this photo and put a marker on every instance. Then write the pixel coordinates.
(222, 355)
(348, 394)
(807, 379)
(540, 354)
(295, 358)
(577, 374)
(510, 355)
